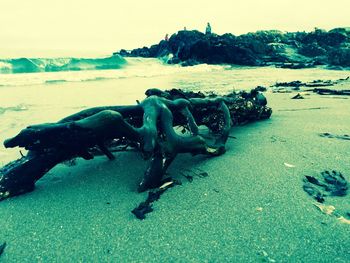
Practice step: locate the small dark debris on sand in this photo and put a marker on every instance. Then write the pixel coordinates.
(275, 138)
(2, 248)
(298, 97)
(146, 206)
(317, 86)
(330, 91)
(265, 256)
(199, 173)
(315, 108)
(340, 137)
(330, 183)
(314, 83)
(296, 84)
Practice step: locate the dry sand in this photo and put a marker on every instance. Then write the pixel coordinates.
(251, 207)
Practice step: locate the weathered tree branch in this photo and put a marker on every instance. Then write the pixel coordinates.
(148, 126)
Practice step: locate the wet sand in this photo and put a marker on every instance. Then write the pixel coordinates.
(251, 207)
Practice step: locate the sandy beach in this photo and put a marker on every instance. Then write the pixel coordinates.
(94, 99)
(250, 208)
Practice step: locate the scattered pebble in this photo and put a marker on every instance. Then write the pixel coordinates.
(266, 257)
(326, 209)
(343, 220)
(289, 165)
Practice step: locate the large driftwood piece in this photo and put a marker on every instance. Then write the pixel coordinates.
(149, 127)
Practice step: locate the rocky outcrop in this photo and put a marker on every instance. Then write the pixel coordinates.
(288, 50)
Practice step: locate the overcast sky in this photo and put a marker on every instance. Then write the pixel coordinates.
(91, 27)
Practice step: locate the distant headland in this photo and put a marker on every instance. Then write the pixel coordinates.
(262, 48)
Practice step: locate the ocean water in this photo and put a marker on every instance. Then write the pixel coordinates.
(32, 65)
(47, 96)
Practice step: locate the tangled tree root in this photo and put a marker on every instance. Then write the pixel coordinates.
(148, 126)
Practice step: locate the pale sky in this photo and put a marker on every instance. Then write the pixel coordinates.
(89, 27)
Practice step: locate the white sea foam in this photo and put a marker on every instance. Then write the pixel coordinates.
(220, 77)
(136, 67)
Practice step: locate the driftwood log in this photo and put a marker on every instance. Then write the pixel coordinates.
(149, 127)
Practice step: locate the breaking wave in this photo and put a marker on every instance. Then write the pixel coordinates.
(34, 65)
(60, 70)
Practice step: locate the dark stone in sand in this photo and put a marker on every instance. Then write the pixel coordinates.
(298, 97)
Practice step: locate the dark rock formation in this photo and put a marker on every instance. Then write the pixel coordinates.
(287, 50)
